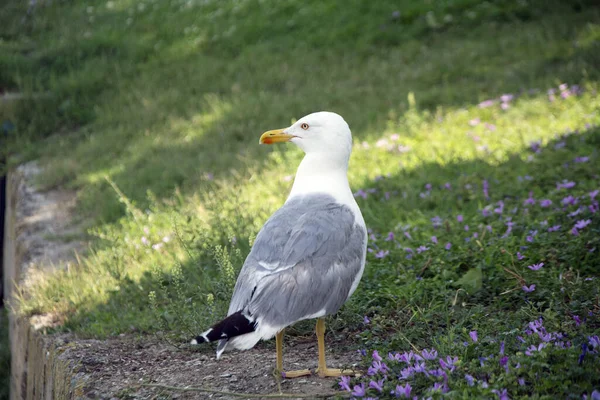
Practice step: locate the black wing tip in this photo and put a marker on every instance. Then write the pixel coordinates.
(198, 340)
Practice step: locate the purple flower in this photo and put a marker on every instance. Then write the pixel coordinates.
(581, 159)
(545, 203)
(407, 235)
(447, 186)
(535, 267)
(366, 320)
(377, 385)
(528, 289)
(361, 193)
(473, 335)
(382, 253)
(486, 103)
(521, 381)
(594, 194)
(448, 246)
(502, 394)
(359, 390)
(448, 363)
(577, 320)
(536, 146)
(529, 238)
(594, 341)
(565, 184)
(402, 391)
(429, 354)
(377, 367)
(420, 367)
(475, 121)
(440, 386)
(501, 348)
(466, 228)
(436, 221)
(376, 356)
(421, 249)
(389, 237)
(500, 208)
(504, 363)
(506, 98)
(490, 127)
(582, 223)
(406, 357)
(574, 232)
(530, 200)
(434, 240)
(532, 349)
(569, 200)
(470, 380)
(459, 218)
(520, 256)
(407, 373)
(486, 188)
(345, 383)
(554, 228)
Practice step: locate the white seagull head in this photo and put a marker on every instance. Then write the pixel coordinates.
(324, 133)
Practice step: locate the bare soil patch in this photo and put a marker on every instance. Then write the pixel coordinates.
(115, 368)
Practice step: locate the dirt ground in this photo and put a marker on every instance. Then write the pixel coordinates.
(115, 368)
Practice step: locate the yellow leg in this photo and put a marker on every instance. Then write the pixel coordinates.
(279, 349)
(323, 371)
(279, 362)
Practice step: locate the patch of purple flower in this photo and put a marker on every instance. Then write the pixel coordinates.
(530, 200)
(429, 354)
(402, 391)
(502, 394)
(470, 380)
(361, 193)
(377, 385)
(545, 203)
(554, 228)
(486, 103)
(421, 249)
(345, 383)
(565, 184)
(528, 289)
(473, 335)
(359, 390)
(582, 224)
(569, 200)
(500, 208)
(486, 187)
(535, 267)
(382, 253)
(448, 246)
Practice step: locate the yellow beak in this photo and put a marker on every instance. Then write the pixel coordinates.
(274, 136)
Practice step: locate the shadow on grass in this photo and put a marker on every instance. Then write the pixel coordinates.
(382, 288)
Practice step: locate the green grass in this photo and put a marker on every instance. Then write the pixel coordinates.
(154, 117)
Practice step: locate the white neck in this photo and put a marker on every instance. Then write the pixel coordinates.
(319, 173)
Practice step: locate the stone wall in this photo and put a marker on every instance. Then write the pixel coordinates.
(37, 370)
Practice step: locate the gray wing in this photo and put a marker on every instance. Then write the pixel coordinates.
(304, 260)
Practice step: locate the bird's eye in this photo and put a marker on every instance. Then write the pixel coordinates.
(304, 126)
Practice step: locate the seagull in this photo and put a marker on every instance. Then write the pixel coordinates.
(309, 256)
